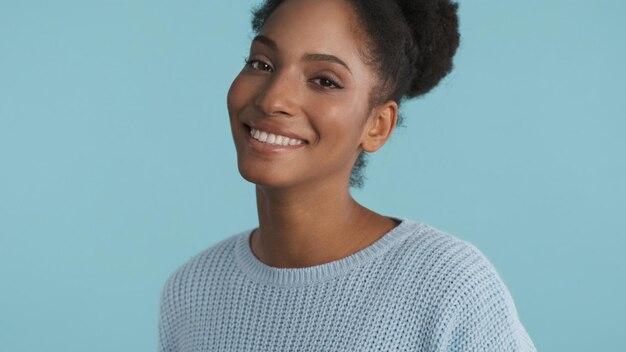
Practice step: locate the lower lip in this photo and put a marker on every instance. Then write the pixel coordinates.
(270, 148)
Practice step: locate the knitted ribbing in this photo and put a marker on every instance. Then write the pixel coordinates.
(416, 288)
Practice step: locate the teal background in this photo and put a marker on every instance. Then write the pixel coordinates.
(117, 164)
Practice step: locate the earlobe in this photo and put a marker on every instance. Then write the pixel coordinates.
(380, 126)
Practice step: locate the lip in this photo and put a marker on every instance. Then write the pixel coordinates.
(270, 128)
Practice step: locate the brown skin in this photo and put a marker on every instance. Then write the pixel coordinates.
(306, 213)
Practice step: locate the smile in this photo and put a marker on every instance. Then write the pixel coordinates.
(273, 139)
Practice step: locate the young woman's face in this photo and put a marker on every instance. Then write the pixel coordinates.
(305, 80)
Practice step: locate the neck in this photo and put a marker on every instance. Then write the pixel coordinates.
(312, 226)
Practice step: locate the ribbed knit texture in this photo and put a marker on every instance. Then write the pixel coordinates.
(416, 288)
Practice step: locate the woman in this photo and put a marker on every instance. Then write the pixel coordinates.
(321, 272)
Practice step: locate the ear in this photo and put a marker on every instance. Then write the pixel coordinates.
(381, 123)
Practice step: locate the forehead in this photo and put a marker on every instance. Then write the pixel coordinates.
(315, 26)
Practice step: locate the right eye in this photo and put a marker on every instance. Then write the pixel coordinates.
(257, 65)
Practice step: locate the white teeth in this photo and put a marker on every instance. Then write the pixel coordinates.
(271, 138)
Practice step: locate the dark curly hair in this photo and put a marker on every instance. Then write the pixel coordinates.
(409, 44)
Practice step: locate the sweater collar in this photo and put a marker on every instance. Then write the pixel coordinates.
(262, 273)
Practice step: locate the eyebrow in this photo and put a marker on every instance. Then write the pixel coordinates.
(265, 40)
(326, 57)
(307, 57)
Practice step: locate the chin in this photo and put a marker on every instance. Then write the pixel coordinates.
(264, 177)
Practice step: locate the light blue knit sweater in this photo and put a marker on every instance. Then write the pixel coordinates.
(416, 288)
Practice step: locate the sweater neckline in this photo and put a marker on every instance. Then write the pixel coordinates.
(258, 271)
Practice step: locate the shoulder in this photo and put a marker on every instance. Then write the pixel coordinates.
(479, 311)
(189, 276)
(445, 257)
(186, 286)
(450, 254)
(460, 271)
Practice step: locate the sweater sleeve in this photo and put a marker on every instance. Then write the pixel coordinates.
(165, 340)
(163, 328)
(486, 318)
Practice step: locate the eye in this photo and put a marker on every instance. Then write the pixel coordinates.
(327, 82)
(257, 65)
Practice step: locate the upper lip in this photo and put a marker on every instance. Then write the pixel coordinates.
(271, 128)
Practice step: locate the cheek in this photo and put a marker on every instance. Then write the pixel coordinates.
(338, 124)
(237, 95)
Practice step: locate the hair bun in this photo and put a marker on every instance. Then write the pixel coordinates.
(434, 25)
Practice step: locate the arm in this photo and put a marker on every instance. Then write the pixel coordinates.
(486, 318)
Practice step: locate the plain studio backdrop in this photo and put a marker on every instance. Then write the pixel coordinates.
(117, 162)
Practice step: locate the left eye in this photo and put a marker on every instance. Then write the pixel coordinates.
(327, 82)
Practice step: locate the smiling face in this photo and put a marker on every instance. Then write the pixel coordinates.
(306, 80)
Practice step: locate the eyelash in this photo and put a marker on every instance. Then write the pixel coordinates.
(251, 62)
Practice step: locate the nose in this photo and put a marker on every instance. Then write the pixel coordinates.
(278, 94)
